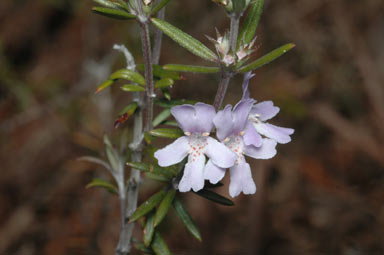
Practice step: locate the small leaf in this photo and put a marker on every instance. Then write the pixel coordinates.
(164, 83)
(161, 117)
(185, 40)
(128, 75)
(96, 161)
(248, 29)
(156, 177)
(209, 185)
(106, 3)
(171, 103)
(166, 94)
(141, 247)
(187, 220)
(104, 85)
(171, 123)
(112, 155)
(159, 246)
(266, 58)
(191, 69)
(159, 7)
(149, 230)
(103, 184)
(124, 115)
(146, 167)
(132, 88)
(163, 208)
(161, 73)
(113, 13)
(210, 195)
(167, 132)
(148, 205)
(148, 137)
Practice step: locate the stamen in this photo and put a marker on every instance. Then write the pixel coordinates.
(242, 133)
(187, 133)
(227, 139)
(205, 134)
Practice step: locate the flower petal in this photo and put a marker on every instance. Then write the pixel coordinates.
(224, 123)
(173, 153)
(240, 115)
(185, 117)
(251, 137)
(204, 116)
(266, 151)
(279, 134)
(241, 179)
(266, 110)
(247, 77)
(220, 155)
(193, 177)
(213, 173)
(194, 118)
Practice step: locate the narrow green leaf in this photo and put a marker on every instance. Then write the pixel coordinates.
(185, 40)
(187, 220)
(104, 85)
(209, 185)
(141, 247)
(112, 155)
(146, 167)
(171, 123)
(106, 3)
(163, 208)
(149, 229)
(248, 29)
(161, 117)
(129, 109)
(210, 195)
(128, 75)
(113, 13)
(164, 83)
(171, 103)
(191, 69)
(148, 205)
(110, 187)
(266, 58)
(159, 7)
(167, 132)
(132, 88)
(159, 246)
(148, 137)
(161, 73)
(166, 94)
(156, 177)
(124, 115)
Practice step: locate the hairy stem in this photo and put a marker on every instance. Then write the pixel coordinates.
(226, 75)
(234, 31)
(150, 94)
(222, 90)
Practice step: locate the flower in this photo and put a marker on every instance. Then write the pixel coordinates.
(196, 122)
(262, 112)
(233, 130)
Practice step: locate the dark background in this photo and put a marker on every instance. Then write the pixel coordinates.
(322, 194)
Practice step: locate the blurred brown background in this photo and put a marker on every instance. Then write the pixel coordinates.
(322, 194)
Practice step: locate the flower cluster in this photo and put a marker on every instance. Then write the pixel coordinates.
(242, 131)
(225, 53)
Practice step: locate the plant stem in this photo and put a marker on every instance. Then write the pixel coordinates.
(150, 94)
(222, 90)
(226, 75)
(234, 31)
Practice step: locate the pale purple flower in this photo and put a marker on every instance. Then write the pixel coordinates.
(196, 122)
(259, 114)
(232, 129)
